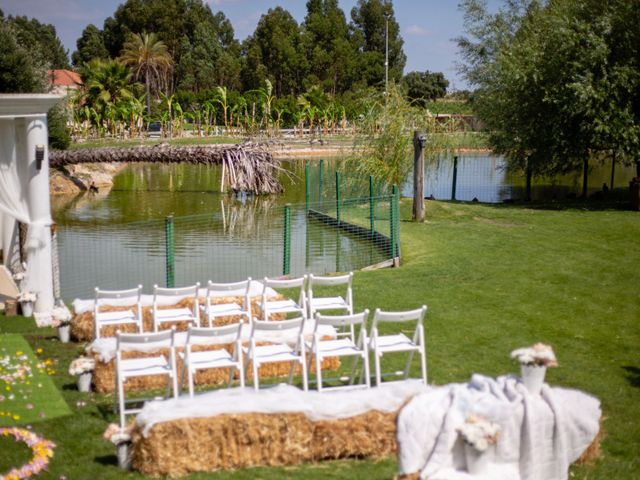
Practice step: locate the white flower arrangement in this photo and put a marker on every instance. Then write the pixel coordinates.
(26, 296)
(82, 365)
(117, 435)
(539, 355)
(60, 316)
(479, 432)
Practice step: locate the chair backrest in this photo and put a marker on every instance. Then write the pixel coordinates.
(131, 296)
(404, 316)
(183, 292)
(330, 282)
(342, 320)
(145, 341)
(299, 282)
(225, 288)
(292, 325)
(214, 335)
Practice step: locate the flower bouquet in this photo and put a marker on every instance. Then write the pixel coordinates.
(121, 438)
(83, 367)
(26, 300)
(478, 435)
(61, 319)
(533, 365)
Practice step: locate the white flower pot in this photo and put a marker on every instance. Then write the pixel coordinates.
(477, 461)
(533, 377)
(124, 455)
(27, 308)
(64, 333)
(84, 382)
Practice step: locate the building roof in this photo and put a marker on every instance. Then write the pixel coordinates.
(64, 78)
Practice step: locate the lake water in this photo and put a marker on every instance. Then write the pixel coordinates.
(116, 239)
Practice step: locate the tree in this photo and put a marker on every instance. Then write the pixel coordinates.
(42, 41)
(424, 86)
(275, 50)
(331, 55)
(19, 70)
(149, 59)
(90, 45)
(558, 84)
(368, 26)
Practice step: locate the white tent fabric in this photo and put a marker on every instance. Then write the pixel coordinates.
(541, 435)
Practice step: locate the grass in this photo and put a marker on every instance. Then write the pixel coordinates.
(30, 396)
(494, 278)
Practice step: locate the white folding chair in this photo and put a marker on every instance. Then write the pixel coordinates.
(117, 298)
(399, 342)
(146, 366)
(338, 303)
(212, 310)
(177, 314)
(341, 347)
(272, 307)
(211, 359)
(280, 335)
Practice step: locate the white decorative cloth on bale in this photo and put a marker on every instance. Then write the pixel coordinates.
(86, 305)
(316, 406)
(105, 347)
(541, 435)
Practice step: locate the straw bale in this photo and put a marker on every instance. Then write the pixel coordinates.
(184, 446)
(224, 442)
(593, 451)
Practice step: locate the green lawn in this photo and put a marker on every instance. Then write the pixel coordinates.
(494, 278)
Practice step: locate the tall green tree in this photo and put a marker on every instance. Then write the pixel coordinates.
(90, 45)
(424, 86)
(149, 59)
(369, 20)
(560, 83)
(41, 39)
(331, 55)
(20, 71)
(275, 50)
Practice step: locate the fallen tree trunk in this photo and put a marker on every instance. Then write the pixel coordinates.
(249, 168)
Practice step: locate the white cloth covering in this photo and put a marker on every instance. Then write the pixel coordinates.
(541, 435)
(255, 290)
(328, 405)
(105, 347)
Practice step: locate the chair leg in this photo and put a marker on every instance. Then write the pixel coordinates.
(292, 370)
(256, 382)
(408, 365)
(231, 372)
(174, 381)
(241, 373)
(376, 359)
(121, 401)
(305, 380)
(367, 374)
(423, 365)
(190, 380)
(352, 377)
(319, 372)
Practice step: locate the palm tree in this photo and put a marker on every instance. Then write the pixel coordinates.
(222, 100)
(148, 58)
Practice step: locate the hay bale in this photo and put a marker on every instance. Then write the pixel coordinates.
(593, 451)
(184, 446)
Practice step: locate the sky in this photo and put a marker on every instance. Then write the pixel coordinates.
(428, 27)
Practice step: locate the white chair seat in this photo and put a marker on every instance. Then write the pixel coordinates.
(175, 315)
(341, 347)
(395, 343)
(136, 367)
(219, 358)
(223, 309)
(123, 316)
(283, 306)
(273, 353)
(329, 303)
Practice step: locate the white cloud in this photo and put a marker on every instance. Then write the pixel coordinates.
(416, 30)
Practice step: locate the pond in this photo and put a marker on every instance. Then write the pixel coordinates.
(116, 239)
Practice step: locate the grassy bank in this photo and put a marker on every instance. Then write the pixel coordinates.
(494, 278)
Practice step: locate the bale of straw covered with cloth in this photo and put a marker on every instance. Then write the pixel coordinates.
(288, 427)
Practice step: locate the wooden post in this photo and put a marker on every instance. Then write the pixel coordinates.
(419, 139)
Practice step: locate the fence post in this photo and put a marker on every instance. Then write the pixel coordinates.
(320, 180)
(286, 260)
(307, 185)
(393, 224)
(169, 248)
(455, 178)
(338, 197)
(419, 141)
(372, 205)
